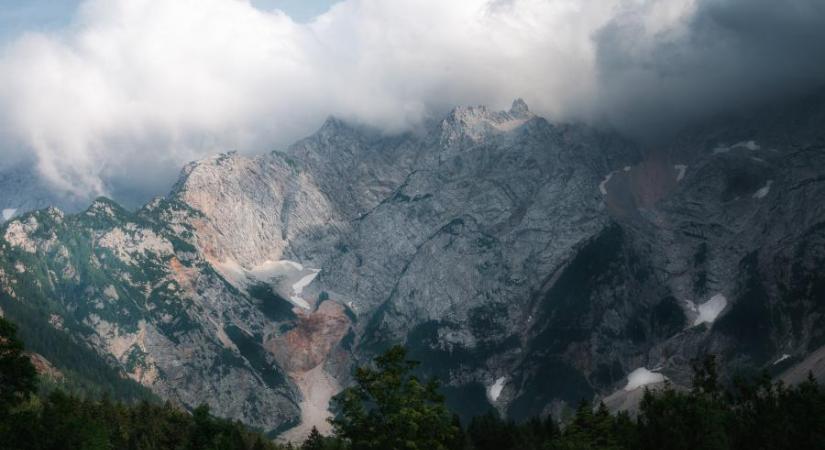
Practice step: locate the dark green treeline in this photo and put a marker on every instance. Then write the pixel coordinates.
(388, 408)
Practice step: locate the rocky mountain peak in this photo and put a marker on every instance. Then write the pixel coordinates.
(335, 128)
(332, 124)
(519, 108)
(476, 124)
(103, 206)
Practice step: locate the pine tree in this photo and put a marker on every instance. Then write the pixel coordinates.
(18, 378)
(389, 408)
(314, 441)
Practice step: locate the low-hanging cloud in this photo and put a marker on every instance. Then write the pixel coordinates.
(117, 101)
(717, 56)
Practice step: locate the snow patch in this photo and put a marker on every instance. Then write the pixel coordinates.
(708, 312)
(682, 168)
(627, 168)
(494, 391)
(750, 145)
(603, 184)
(9, 213)
(299, 286)
(763, 191)
(642, 377)
(781, 358)
(272, 272)
(269, 270)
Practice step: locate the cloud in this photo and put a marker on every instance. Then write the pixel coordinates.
(119, 100)
(713, 56)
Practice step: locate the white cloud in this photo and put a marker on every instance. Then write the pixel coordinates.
(150, 84)
(133, 88)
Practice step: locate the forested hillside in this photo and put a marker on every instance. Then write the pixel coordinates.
(390, 408)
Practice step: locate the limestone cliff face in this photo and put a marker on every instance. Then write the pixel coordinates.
(529, 265)
(251, 207)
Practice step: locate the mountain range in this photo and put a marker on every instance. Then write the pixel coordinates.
(529, 265)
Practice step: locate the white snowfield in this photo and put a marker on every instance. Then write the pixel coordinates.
(273, 272)
(749, 145)
(763, 191)
(708, 312)
(494, 391)
(603, 184)
(642, 377)
(609, 176)
(298, 288)
(9, 213)
(270, 270)
(781, 358)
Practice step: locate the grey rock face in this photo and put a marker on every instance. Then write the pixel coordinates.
(529, 265)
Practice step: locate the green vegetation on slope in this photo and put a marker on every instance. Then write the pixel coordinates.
(388, 408)
(60, 421)
(85, 373)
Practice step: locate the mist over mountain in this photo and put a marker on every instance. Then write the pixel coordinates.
(544, 201)
(147, 86)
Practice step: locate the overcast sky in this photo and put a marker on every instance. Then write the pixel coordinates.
(94, 91)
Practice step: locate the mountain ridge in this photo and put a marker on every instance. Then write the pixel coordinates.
(527, 264)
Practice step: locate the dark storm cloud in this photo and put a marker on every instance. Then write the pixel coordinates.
(729, 55)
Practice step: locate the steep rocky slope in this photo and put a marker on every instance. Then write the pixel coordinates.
(527, 264)
(143, 298)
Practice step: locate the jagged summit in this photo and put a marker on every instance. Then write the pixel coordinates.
(519, 108)
(104, 207)
(471, 114)
(479, 123)
(477, 120)
(332, 123)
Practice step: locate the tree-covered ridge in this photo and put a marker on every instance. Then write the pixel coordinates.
(389, 408)
(60, 421)
(749, 414)
(83, 371)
